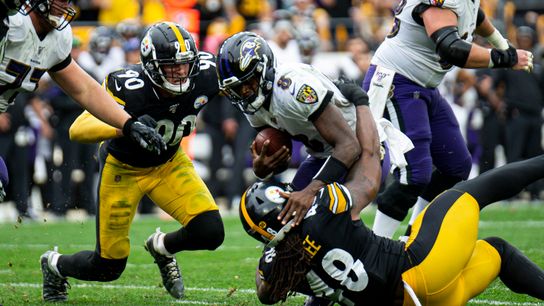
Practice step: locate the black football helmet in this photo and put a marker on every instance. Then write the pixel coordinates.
(59, 13)
(259, 208)
(244, 57)
(168, 43)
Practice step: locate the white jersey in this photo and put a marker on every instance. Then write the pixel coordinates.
(300, 93)
(409, 51)
(26, 57)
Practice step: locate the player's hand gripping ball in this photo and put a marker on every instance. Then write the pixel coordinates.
(278, 139)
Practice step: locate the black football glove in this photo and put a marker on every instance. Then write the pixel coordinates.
(148, 120)
(144, 135)
(504, 58)
(353, 92)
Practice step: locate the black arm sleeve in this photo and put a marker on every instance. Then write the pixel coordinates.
(450, 46)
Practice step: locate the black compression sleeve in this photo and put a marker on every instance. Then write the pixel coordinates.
(450, 46)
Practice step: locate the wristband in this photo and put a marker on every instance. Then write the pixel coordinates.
(497, 40)
(332, 170)
(503, 58)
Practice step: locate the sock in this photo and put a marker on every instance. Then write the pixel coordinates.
(53, 264)
(384, 225)
(159, 247)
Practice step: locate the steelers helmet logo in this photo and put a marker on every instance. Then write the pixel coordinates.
(272, 193)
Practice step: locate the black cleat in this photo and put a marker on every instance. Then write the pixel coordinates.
(54, 285)
(171, 276)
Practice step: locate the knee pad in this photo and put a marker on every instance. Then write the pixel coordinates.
(397, 199)
(204, 232)
(208, 229)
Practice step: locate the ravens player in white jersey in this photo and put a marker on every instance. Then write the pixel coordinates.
(300, 100)
(35, 38)
(332, 254)
(428, 38)
(167, 90)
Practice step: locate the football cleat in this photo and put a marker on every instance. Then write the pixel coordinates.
(171, 276)
(54, 285)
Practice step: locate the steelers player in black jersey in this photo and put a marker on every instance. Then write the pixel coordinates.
(167, 91)
(332, 253)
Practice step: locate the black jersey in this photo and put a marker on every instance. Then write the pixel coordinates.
(175, 116)
(350, 264)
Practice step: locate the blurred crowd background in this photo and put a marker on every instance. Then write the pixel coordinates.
(500, 111)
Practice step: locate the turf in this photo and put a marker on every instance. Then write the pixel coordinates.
(222, 277)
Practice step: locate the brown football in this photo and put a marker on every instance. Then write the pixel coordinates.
(277, 138)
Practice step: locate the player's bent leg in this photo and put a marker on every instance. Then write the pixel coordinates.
(89, 266)
(449, 225)
(393, 205)
(204, 232)
(503, 182)
(482, 269)
(517, 271)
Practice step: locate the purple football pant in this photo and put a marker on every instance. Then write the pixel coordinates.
(428, 120)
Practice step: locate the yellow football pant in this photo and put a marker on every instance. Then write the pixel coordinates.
(174, 186)
(452, 265)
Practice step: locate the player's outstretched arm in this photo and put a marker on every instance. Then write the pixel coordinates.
(90, 95)
(88, 129)
(441, 26)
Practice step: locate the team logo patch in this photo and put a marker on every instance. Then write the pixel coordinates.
(200, 101)
(437, 3)
(145, 46)
(272, 193)
(248, 52)
(306, 94)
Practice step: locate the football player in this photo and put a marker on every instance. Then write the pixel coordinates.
(428, 38)
(35, 38)
(332, 254)
(301, 101)
(167, 90)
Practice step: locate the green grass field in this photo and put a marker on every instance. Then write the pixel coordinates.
(222, 277)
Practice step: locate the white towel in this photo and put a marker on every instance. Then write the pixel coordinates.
(398, 143)
(379, 89)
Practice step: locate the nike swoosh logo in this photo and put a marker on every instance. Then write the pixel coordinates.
(293, 91)
(117, 87)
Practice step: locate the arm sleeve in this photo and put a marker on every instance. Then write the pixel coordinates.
(89, 129)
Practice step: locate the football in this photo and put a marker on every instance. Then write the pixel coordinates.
(277, 138)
